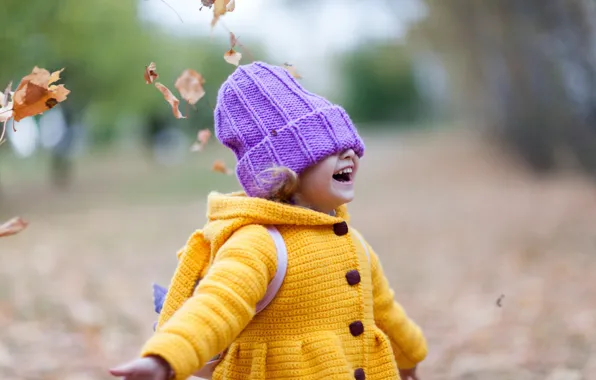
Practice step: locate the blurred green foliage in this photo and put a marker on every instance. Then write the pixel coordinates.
(380, 85)
(104, 48)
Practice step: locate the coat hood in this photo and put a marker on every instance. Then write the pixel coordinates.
(227, 213)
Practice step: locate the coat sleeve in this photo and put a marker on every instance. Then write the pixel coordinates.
(222, 305)
(408, 342)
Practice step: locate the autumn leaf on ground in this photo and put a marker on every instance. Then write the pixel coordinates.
(36, 93)
(220, 167)
(151, 73)
(292, 70)
(190, 86)
(233, 57)
(202, 139)
(170, 98)
(13, 227)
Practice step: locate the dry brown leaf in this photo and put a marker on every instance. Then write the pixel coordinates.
(151, 73)
(220, 167)
(170, 98)
(190, 86)
(292, 70)
(219, 9)
(36, 94)
(13, 226)
(233, 57)
(202, 139)
(230, 4)
(203, 136)
(233, 40)
(55, 76)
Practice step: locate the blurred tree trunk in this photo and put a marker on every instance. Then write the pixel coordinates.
(524, 69)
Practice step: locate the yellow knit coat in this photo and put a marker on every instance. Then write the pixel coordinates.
(334, 317)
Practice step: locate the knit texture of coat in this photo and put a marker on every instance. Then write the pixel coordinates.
(333, 318)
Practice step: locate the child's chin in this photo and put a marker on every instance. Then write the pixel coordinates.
(345, 197)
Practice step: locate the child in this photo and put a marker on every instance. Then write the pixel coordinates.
(334, 317)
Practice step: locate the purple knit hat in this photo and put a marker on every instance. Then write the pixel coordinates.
(268, 119)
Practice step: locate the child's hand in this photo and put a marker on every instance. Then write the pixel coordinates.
(149, 368)
(408, 374)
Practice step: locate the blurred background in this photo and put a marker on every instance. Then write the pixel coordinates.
(480, 124)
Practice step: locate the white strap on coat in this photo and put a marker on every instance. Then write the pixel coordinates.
(282, 266)
(272, 289)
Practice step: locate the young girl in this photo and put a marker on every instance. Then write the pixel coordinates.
(334, 316)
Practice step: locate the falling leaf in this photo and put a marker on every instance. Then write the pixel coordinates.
(190, 86)
(220, 167)
(203, 136)
(500, 299)
(219, 8)
(36, 93)
(13, 227)
(292, 70)
(151, 73)
(202, 139)
(233, 40)
(233, 57)
(170, 98)
(55, 76)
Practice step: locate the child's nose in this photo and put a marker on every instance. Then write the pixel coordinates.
(348, 154)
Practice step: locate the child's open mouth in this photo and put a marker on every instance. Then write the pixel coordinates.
(344, 175)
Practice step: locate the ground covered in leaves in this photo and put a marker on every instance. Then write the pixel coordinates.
(460, 231)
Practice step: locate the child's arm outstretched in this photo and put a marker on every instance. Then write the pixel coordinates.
(407, 340)
(221, 307)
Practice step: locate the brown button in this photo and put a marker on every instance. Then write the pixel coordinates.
(359, 374)
(353, 277)
(340, 229)
(356, 328)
